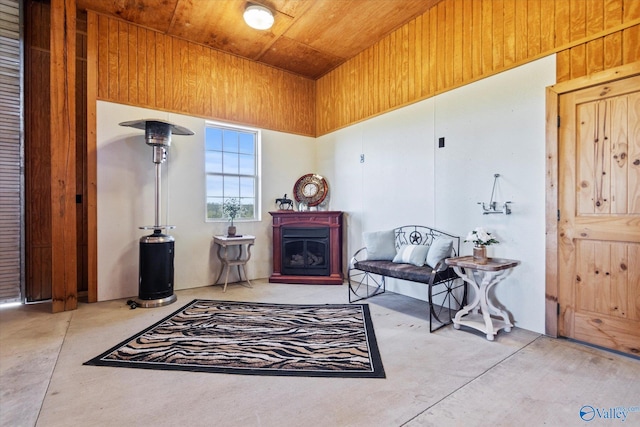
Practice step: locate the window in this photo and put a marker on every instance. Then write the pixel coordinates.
(231, 156)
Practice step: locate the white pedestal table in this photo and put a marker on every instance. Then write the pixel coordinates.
(482, 277)
(240, 261)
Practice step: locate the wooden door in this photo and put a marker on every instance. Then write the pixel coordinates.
(599, 227)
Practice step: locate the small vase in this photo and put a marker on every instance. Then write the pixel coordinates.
(480, 254)
(231, 231)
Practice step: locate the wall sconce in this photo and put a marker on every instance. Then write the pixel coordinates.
(258, 17)
(492, 208)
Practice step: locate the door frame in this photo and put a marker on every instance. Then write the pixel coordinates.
(553, 94)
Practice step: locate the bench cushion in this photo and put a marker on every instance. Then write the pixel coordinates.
(380, 244)
(439, 250)
(404, 271)
(412, 254)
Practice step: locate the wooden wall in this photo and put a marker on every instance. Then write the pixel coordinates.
(454, 43)
(81, 151)
(142, 67)
(38, 208)
(37, 153)
(460, 41)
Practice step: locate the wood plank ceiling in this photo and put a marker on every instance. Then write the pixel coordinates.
(308, 38)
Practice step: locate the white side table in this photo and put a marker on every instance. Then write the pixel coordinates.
(240, 261)
(482, 277)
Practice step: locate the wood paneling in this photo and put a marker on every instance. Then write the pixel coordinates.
(142, 67)
(36, 151)
(81, 151)
(91, 196)
(308, 37)
(459, 41)
(40, 233)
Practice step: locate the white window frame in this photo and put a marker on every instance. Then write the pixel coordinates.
(257, 197)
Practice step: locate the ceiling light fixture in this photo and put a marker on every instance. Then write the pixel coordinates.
(258, 17)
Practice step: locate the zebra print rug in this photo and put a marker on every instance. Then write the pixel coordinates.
(256, 339)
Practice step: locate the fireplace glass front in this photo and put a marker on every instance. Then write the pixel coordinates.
(305, 251)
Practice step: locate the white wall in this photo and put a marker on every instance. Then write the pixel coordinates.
(126, 188)
(495, 125)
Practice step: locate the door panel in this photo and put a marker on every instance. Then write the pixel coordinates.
(599, 229)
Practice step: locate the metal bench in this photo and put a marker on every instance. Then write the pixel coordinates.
(367, 278)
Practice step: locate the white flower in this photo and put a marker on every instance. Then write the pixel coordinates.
(482, 234)
(479, 236)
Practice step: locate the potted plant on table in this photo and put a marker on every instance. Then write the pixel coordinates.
(231, 208)
(481, 238)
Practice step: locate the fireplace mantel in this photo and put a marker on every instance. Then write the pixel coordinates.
(310, 219)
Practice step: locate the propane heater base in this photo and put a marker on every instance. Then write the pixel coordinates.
(156, 270)
(152, 303)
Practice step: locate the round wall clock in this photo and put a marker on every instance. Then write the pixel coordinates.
(310, 189)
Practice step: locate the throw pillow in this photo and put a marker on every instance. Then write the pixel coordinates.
(381, 245)
(440, 249)
(412, 254)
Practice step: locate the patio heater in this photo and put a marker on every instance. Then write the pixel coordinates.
(155, 279)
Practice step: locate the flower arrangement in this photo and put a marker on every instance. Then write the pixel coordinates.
(231, 208)
(480, 237)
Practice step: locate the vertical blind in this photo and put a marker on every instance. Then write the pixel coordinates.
(11, 153)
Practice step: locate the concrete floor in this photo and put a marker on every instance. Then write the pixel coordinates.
(448, 378)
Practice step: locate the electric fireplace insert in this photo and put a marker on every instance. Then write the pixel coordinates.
(305, 251)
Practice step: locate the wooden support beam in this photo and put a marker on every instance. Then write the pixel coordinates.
(63, 156)
(92, 157)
